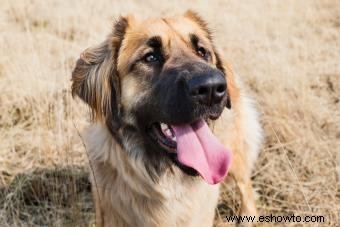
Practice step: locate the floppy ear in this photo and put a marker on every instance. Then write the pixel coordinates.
(95, 79)
(220, 64)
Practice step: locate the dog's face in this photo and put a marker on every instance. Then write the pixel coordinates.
(153, 76)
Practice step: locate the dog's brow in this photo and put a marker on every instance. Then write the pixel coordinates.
(194, 39)
(154, 42)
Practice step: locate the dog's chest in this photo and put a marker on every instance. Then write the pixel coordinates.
(191, 206)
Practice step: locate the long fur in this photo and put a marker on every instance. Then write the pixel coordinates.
(128, 195)
(126, 191)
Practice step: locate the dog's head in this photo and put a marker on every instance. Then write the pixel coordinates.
(161, 80)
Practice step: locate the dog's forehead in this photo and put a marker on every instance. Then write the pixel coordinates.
(168, 29)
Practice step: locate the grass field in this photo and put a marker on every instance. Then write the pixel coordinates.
(288, 53)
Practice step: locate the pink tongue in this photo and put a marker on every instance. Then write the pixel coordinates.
(199, 149)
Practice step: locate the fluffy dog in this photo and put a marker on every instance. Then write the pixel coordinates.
(170, 120)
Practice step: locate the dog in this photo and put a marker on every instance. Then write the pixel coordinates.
(170, 121)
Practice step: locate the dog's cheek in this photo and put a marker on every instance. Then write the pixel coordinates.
(132, 94)
(129, 91)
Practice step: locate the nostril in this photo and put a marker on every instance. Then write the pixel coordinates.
(202, 90)
(220, 89)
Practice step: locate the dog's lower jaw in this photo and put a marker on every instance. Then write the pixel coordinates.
(157, 161)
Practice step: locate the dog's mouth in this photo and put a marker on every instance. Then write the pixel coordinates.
(194, 147)
(164, 135)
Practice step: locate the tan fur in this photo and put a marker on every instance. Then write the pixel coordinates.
(124, 192)
(126, 196)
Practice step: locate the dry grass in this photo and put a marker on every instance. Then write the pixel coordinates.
(288, 52)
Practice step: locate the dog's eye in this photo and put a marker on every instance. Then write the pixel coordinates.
(151, 57)
(202, 52)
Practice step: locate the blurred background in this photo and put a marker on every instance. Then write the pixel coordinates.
(287, 52)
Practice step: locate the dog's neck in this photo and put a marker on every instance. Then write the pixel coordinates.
(125, 157)
(125, 185)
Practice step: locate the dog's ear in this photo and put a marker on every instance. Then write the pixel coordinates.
(95, 79)
(194, 16)
(220, 64)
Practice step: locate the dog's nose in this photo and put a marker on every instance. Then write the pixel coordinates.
(208, 89)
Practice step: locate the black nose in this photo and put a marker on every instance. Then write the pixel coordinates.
(208, 89)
